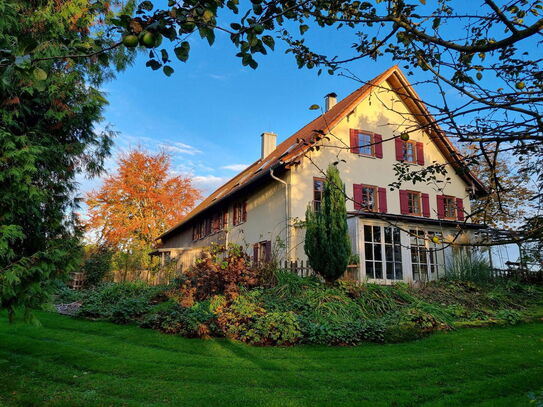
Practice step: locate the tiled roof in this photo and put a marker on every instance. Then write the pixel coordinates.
(292, 147)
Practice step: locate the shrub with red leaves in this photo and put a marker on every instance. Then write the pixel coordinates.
(219, 270)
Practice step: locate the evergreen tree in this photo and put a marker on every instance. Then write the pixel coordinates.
(48, 111)
(327, 243)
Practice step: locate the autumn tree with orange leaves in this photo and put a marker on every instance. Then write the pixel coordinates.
(139, 202)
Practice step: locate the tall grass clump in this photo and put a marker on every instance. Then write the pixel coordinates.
(473, 267)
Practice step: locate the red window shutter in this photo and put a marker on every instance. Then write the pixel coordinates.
(404, 207)
(244, 212)
(357, 196)
(460, 208)
(420, 153)
(355, 143)
(378, 143)
(382, 200)
(255, 253)
(268, 248)
(440, 206)
(425, 205)
(399, 148)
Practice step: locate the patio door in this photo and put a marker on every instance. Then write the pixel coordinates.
(382, 253)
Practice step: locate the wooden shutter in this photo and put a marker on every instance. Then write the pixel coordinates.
(425, 205)
(378, 143)
(404, 206)
(440, 206)
(382, 192)
(355, 143)
(460, 209)
(225, 219)
(244, 212)
(420, 153)
(268, 249)
(399, 148)
(255, 253)
(357, 196)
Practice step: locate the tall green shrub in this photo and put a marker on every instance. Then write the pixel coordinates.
(327, 243)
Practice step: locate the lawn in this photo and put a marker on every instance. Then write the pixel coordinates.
(70, 362)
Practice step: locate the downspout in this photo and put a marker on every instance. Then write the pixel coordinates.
(287, 212)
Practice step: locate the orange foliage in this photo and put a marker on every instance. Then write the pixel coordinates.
(141, 201)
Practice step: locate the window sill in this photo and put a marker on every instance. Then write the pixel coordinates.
(366, 156)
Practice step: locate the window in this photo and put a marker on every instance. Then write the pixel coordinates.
(436, 254)
(427, 255)
(262, 252)
(393, 254)
(240, 213)
(419, 257)
(380, 240)
(413, 203)
(369, 198)
(373, 252)
(366, 143)
(318, 191)
(449, 204)
(409, 151)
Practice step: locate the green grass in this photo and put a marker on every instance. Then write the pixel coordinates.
(69, 362)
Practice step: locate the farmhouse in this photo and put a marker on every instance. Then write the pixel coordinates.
(392, 230)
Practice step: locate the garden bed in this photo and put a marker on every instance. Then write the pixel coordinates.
(294, 310)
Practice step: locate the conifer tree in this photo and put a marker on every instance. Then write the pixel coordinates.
(327, 243)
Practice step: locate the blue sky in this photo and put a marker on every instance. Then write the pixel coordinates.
(210, 113)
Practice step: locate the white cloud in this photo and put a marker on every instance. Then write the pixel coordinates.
(208, 183)
(180, 148)
(235, 167)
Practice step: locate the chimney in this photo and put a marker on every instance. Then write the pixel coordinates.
(269, 142)
(329, 101)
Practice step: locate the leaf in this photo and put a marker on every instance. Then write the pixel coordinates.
(164, 54)
(303, 28)
(22, 61)
(269, 41)
(40, 85)
(182, 52)
(423, 1)
(154, 64)
(146, 5)
(168, 70)
(39, 74)
(314, 107)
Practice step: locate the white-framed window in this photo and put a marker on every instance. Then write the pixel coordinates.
(427, 255)
(382, 253)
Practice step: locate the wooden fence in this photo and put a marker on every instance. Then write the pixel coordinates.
(303, 269)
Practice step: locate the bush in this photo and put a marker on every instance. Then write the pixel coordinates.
(120, 302)
(275, 328)
(96, 265)
(510, 316)
(218, 271)
(65, 295)
(128, 310)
